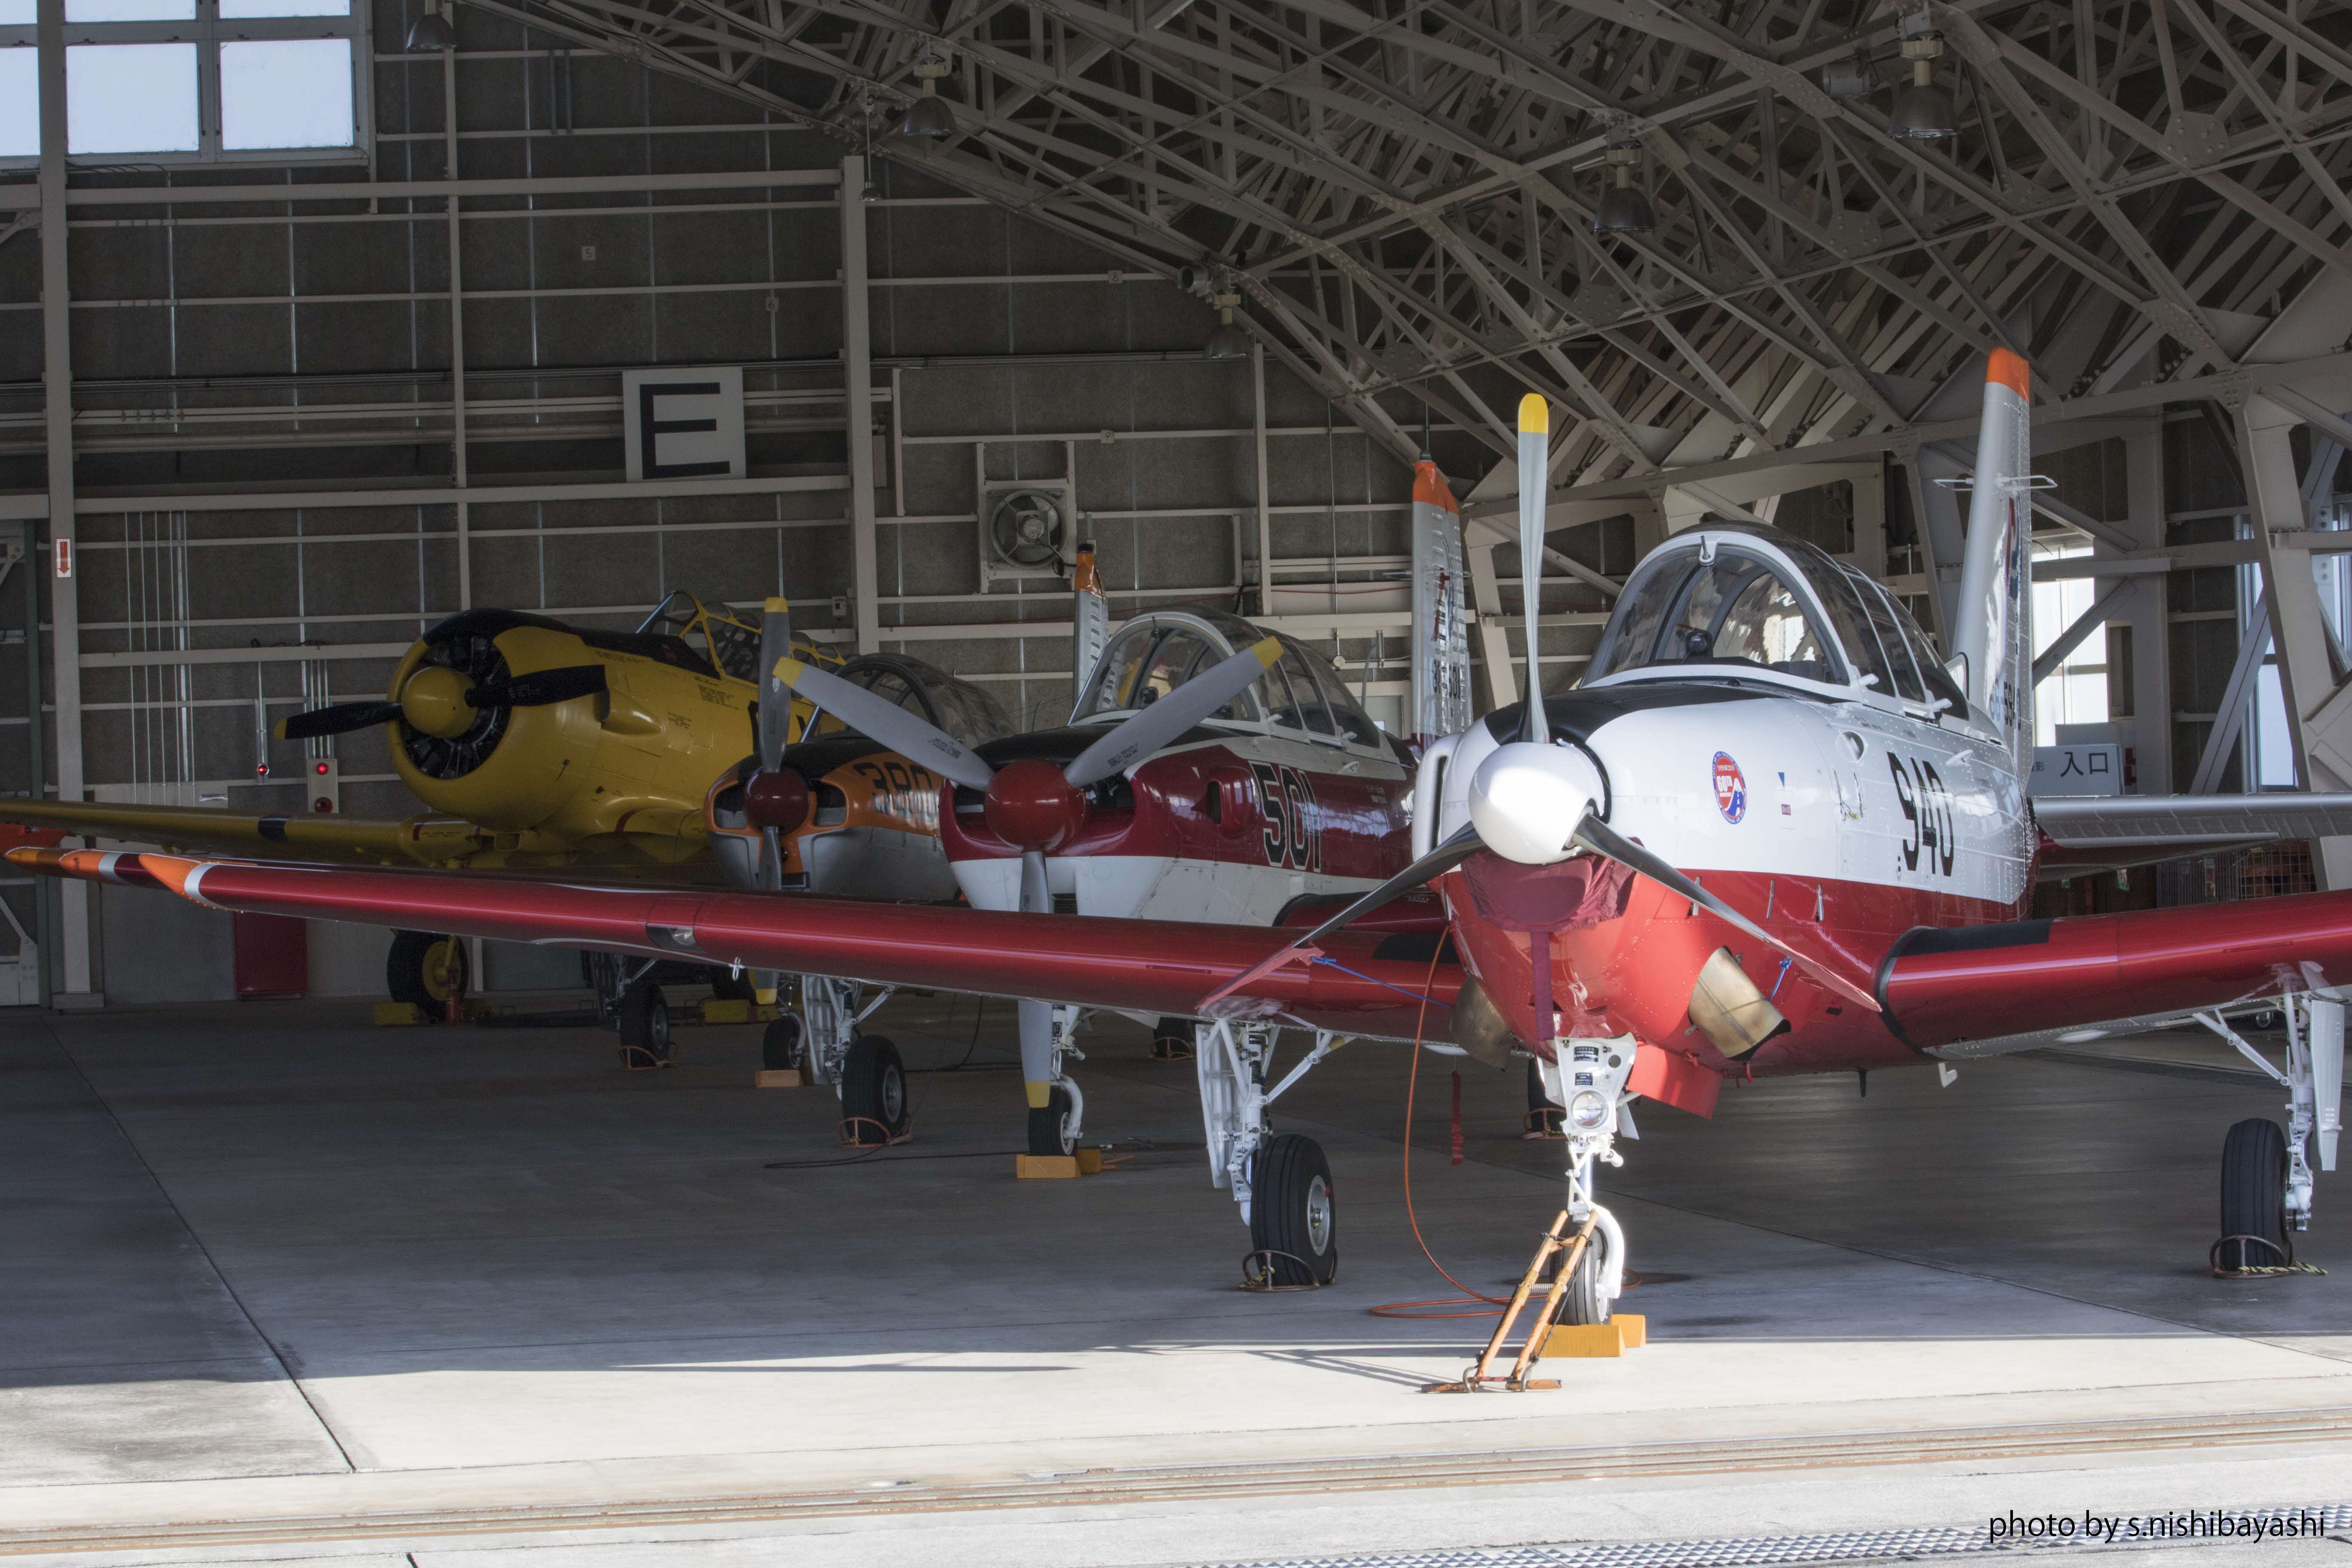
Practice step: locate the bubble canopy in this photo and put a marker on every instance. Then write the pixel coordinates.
(1733, 600)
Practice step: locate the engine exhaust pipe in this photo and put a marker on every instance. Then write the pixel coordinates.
(1728, 1008)
(1478, 1026)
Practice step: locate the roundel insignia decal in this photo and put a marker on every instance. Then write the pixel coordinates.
(1730, 788)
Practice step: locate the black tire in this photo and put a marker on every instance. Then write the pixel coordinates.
(1049, 1128)
(730, 987)
(783, 1047)
(1171, 1040)
(1582, 1302)
(645, 1027)
(874, 1106)
(1543, 1116)
(423, 968)
(1294, 1212)
(2253, 1193)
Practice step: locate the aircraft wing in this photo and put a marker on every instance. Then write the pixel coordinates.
(1964, 991)
(2083, 834)
(324, 836)
(1155, 966)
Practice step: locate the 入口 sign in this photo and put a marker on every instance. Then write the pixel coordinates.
(684, 424)
(2082, 768)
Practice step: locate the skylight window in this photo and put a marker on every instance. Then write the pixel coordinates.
(171, 82)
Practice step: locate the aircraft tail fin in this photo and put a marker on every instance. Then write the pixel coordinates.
(1441, 635)
(1993, 628)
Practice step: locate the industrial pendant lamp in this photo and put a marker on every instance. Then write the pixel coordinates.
(1227, 341)
(929, 116)
(432, 32)
(1624, 209)
(1921, 111)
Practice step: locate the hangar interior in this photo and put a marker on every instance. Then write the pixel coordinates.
(263, 479)
(1210, 275)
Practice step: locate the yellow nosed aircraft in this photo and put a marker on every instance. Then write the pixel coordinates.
(536, 746)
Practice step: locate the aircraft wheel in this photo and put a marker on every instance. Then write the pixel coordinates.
(1582, 1302)
(2254, 1195)
(425, 969)
(644, 1028)
(783, 1047)
(1049, 1128)
(1292, 1212)
(872, 1091)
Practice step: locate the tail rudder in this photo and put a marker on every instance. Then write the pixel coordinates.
(1440, 638)
(1993, 628)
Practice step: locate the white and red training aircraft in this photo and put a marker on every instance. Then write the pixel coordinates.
(1768, 833)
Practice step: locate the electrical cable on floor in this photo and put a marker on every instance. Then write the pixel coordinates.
(1469, 1299)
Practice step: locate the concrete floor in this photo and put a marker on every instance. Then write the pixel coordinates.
(262, 1263)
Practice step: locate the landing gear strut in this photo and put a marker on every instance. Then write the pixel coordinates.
(1282, 1184)
(426, 969)
(1056, 1124)
(2266, 1173)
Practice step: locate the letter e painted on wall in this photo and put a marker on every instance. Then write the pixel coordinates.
(684, 424)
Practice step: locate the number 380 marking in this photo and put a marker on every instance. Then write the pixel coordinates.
(1927, 807)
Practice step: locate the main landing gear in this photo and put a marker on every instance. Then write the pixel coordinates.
(1282, 1182)
(427, 971)
(864, 1069)
(2266, 1175)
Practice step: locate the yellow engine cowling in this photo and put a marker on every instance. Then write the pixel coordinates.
(635, 758)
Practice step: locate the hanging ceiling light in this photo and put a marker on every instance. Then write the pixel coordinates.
(1921, 111)
(929, 116)
(1624, 209)
(1228, 341)
(432, 31)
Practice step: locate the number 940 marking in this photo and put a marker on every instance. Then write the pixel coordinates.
(1927, 811)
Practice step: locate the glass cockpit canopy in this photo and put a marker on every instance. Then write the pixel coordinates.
(1740, 606)
(1150, 658)
(960, 709)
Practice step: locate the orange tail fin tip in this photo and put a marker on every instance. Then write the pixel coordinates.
(2012, 372)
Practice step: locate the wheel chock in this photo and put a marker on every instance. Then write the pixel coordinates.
(782, 1078)
(1623, 1332)
(1636, 1326)
(398, 1015)
(1057, 1167)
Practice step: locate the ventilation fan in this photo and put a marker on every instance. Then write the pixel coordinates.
(1027, 529)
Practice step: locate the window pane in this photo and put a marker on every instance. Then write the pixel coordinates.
(130, 10)
(20, 103)
(292, 93)
(237, 10)
(18, 12)
(130, 98)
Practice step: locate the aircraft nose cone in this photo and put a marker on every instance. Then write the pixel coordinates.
(1526, 799)
(1029, 803)
(434, 703)
(778, 799)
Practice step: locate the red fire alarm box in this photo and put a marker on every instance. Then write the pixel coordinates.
(273, 955)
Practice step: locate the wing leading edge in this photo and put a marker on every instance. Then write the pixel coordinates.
(1156, 966)
(1971, 986)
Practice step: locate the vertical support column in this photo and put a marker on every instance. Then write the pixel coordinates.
(1265, 503)
(1494, 638)
(32, 568)
(57, 397)
(1870, 524)
(857, 385)
(2147, 614)
(456, 332)
(2298, 626)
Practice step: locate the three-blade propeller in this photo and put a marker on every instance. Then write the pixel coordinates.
(1532, 802)
(1030, 802)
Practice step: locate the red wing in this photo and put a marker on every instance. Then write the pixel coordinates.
(1153, 966)
(1990, 982)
